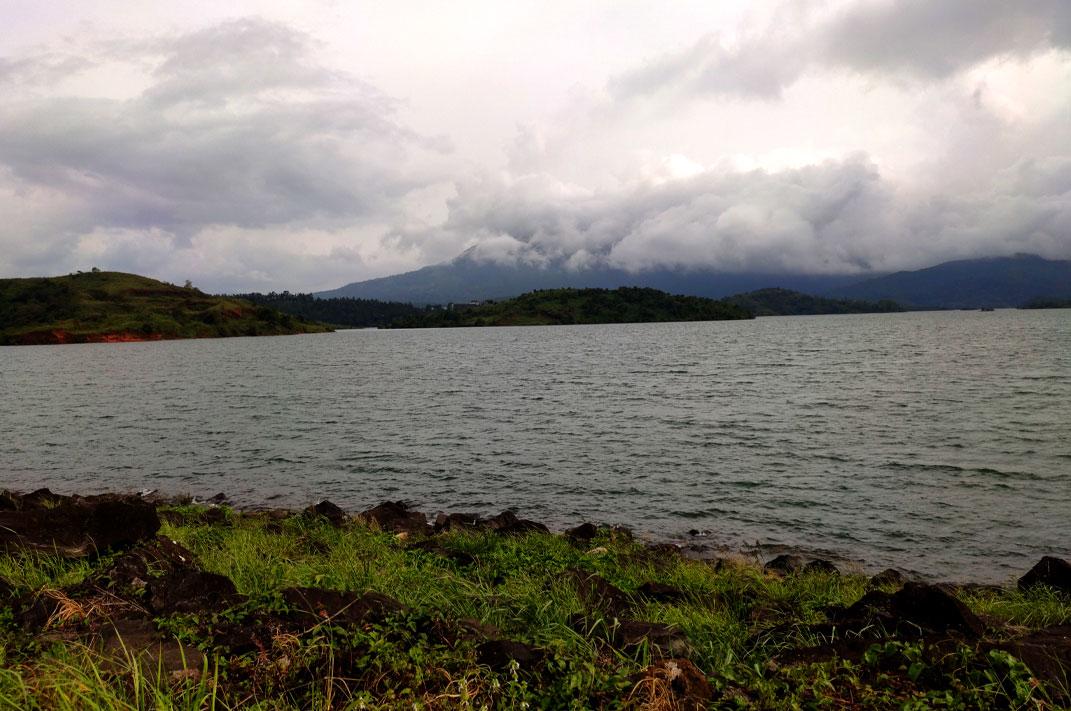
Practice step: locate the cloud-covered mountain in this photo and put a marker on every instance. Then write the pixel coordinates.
(969, 283)
(468, 278)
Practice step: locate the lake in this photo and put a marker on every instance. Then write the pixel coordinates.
(939, 442)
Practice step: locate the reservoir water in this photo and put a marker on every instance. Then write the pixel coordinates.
(939, 443)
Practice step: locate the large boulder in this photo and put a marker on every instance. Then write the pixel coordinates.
(341, 607)
(191, 591)
(600, 595)
(508, 524)
(1049, 571)
(395, 516)
(76, 526)
(326, 511)
(784, 564)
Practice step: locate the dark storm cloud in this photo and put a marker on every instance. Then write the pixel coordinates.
(922, 39)
(237, 126)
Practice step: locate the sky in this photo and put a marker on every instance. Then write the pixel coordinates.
(269, 145)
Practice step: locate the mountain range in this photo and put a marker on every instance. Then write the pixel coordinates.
(972, 283)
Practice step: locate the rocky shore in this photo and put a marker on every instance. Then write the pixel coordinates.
(128, 596)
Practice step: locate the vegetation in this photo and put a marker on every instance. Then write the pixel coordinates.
(338, 311)
(113, 306)
(746, 639)
(783, 302)
(1047, 303)
(576, 306)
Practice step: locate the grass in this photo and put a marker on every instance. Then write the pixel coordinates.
(737, 621)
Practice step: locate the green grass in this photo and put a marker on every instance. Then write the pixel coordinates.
(737, 620)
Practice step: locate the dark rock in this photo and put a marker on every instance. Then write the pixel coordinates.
(342, 608)
(499, 653)
(191, 591)
(507, 524)
(41, 499)
(934, 607)
(218, 499)
(784, 564)
(78, 527)
(326, 510)
(887, 578)
(452, 632)
(821, 566)
(1052, 572)
(9, 501)
(459, 522)
(662, 640)
(130, 573)
(214, 517)
(661, 592)
(917, 609)
(7, 592)
(599, 595)
(1047, 653)
(396, 516)
(673, 683)
(664, 549)
(124, 641)
(583, 533)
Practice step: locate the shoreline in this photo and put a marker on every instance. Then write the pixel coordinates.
(137, 594)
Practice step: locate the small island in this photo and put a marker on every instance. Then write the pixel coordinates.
(558, 307)
(106, 307)
(785, 302)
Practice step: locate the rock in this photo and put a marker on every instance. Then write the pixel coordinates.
(673, 683)
(934, 607)
(598, 594)
(583, 533)
(452, 632)
(662, 640)
(130, 573)
(218, 499)
(191, 591)
(214, 517)
(459, 522)
(499, 653)
(1047, 653)
(41, 499)
(342, 608)
(823, 567)
(395, 517)
(326, 510)
(917, 609)
(78, 527)
(661, 592)
(507, 524)
(138, 640)
(887, 578)
(666, 549)
(784, 564)
(1049, 571)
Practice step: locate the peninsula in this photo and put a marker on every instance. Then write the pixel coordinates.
(102, 307)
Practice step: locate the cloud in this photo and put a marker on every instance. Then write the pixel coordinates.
(236, 125)
(918, 39)
(833, 217)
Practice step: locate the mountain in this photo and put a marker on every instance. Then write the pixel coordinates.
(969, 283)
(552, 307)
(783, 302)
(112, 306)
(465, 279)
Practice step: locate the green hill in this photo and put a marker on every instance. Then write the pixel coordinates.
(112, 306)
(575, 306)
(783, 302)
(339, 311)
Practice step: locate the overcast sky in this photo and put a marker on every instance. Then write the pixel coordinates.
(282, 145)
